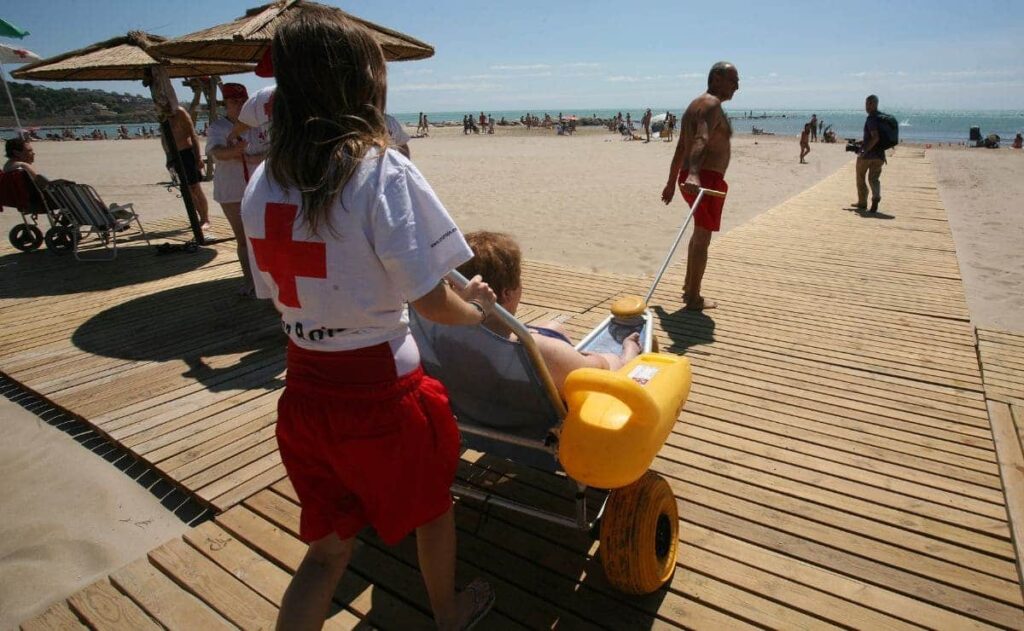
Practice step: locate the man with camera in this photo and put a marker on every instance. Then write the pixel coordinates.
(870, 159)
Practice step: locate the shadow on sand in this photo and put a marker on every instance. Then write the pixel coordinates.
(196, 324)
(44, 273)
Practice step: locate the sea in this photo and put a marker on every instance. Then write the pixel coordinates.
(916, 125)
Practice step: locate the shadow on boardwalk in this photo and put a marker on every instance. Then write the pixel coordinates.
(43, 273)
(191, 324)
(685, 328)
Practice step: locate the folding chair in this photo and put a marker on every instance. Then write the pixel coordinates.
(86, 215)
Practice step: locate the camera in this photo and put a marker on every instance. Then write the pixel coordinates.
(854, 145)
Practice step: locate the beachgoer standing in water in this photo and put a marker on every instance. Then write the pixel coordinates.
(343, 232)
(814, 128)
(701, 159)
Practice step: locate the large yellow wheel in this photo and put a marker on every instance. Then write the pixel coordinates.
(639, 535)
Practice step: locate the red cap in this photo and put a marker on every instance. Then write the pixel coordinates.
(265, 68)
(234, 91)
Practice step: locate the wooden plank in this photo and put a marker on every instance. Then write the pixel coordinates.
(57, 617)
(376, 604)
(259, 573)
(103, 607)
(211, 584)
(251, 486)
(164, 600)
(1011, 466)
(893, 606)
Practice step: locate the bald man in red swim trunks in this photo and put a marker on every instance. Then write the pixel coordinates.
(701, 159)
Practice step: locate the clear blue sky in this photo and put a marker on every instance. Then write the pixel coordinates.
(570, 55)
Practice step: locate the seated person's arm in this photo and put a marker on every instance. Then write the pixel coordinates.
(561, 358)
(444, 306)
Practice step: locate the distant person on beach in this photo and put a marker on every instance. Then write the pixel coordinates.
(237, 157)
(426, 125)
(821, 127)
(419, 125)
(1018, 141)
(700, 161)
(646, 123)
(343, 234)
(805, 147)
(814, 127)
(870, 159)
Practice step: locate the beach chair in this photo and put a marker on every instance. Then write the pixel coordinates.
(18, 190)
(85, 215)
(605, 438)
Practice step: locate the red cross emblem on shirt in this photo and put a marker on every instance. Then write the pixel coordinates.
(284, 258)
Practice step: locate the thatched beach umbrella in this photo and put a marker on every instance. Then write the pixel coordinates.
(245, 38)
(122, 58)
(132, 57)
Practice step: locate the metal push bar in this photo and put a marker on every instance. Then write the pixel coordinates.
(679, 237)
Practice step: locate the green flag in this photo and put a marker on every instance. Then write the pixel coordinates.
(9, 30)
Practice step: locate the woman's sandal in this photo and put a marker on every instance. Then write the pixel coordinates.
(483, 600)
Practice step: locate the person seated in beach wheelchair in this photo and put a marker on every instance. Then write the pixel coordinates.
(597, 413)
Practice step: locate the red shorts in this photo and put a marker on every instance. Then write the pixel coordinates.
(709, 214)
(363, 446)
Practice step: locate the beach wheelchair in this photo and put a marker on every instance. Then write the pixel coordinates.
(604, 435)
(18, 190)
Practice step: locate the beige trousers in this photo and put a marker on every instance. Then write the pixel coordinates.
(872, 168)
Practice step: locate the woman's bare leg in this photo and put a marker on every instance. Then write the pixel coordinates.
(435, 546)
(233, 212)
(308, 597)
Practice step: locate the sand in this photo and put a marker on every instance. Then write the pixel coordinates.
(69, 516)
(983, 191)
(589, 202)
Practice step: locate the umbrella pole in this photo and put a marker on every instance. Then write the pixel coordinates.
(186, 195)
(162, 92)
(9, 98)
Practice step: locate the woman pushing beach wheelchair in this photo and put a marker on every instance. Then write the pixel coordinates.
(343, 234)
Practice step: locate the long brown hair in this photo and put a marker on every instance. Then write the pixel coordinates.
(328, 108)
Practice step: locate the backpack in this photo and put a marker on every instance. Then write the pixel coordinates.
(888, 131)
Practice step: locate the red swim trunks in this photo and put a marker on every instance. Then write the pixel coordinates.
(709, 214)
(363, 446)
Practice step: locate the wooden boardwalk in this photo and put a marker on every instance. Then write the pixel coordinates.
(843, 459)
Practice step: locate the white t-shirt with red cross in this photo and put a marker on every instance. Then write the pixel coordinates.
(392, 242)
